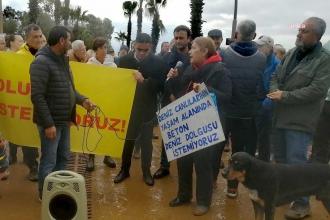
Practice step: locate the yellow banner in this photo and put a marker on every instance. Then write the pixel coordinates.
(101, 132)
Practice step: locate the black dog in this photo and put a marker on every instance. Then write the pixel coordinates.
(278, 184)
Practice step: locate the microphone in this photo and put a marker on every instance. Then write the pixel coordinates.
(177, 65)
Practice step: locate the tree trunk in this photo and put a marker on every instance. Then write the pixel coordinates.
(57, 12)
(129, 30)
(139, 18)
(155, 31)
(196, 18)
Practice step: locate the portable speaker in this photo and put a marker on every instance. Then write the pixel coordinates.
(64, 196)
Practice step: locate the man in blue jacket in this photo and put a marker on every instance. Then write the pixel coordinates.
(264, 116)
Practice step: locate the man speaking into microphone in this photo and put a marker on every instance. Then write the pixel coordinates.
(150, 74)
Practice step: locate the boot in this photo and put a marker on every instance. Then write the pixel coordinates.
(121, 176)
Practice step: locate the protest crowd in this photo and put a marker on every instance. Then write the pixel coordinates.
(272, 103)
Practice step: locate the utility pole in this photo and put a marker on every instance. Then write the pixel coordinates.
(233, 29)
(1, 18)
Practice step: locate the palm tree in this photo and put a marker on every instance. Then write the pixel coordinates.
(34, 11)
(77, 16)
(121, 36)
(129, 8)
(57, 12)
(139, 18)
(153, 7)
(196, 18)
(66, 12)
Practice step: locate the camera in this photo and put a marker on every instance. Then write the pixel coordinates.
(229, 41)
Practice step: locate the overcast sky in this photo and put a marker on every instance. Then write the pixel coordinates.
(276, 18)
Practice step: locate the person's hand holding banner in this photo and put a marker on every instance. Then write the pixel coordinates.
(88, 105)
(138, 76)
(111, 88)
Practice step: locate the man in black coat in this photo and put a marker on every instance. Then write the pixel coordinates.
(150, 72)
(179, 53)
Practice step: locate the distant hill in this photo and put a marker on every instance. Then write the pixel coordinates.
(327, 45)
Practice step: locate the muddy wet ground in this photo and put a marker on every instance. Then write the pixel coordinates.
(131, 199)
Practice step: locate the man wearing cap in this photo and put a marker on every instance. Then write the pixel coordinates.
(279, 51)
(264, 116)
(298, 89)
(216, 36)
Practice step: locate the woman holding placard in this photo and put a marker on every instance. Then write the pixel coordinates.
(206, 67)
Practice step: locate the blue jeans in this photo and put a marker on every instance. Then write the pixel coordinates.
(291, 147)
(55, 153)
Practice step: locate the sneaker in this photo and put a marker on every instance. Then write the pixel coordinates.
(231, 193)
(200, 210)
(298, 211)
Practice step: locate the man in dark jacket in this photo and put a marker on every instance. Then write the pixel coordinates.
(321, 141)
(179, 53)
(150, 73)
(298, 88)
(54, 99)
(246, 65)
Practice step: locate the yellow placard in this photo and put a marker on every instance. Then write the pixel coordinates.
(101, 132)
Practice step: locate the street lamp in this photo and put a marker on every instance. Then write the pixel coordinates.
(233, 29)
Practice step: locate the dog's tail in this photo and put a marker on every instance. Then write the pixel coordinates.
(324, 196)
